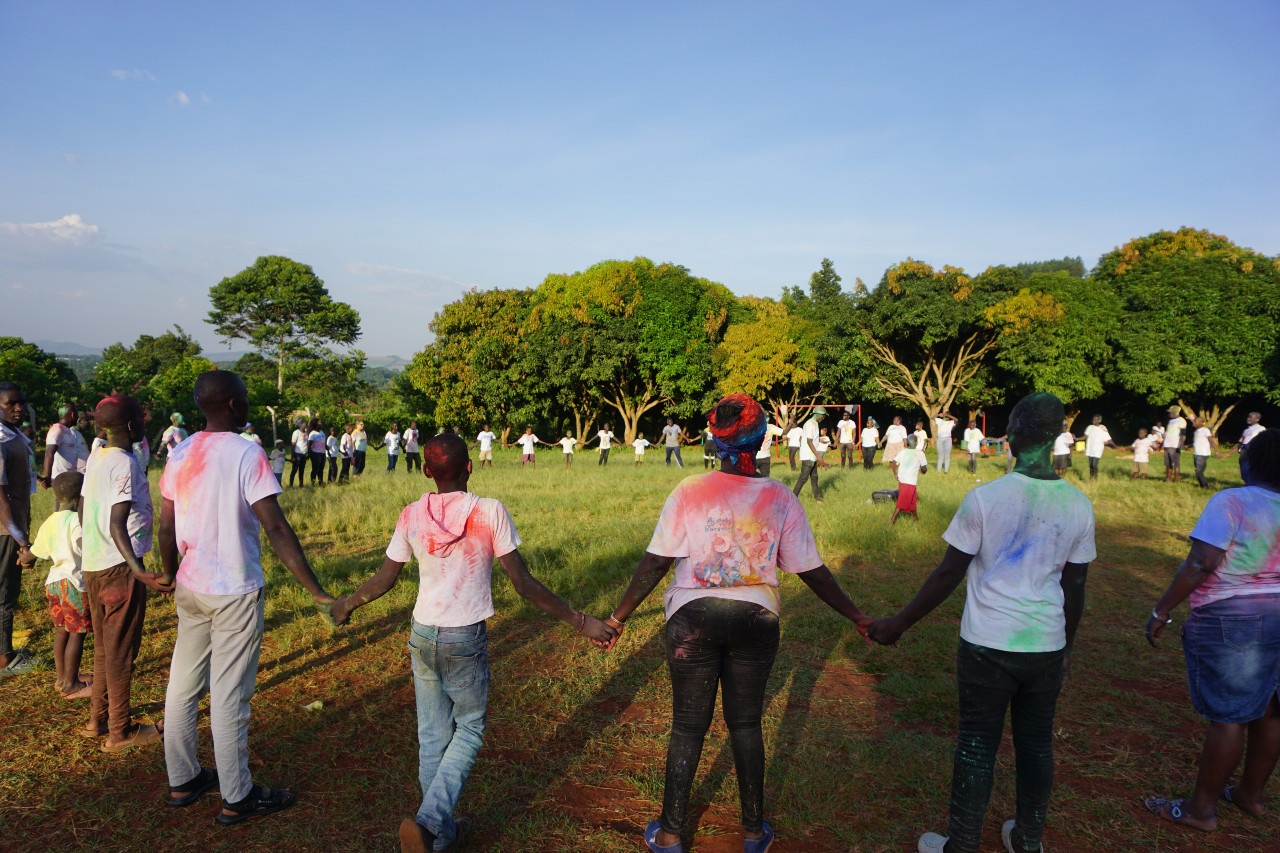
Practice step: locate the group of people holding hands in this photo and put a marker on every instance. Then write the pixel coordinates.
(1022, 544)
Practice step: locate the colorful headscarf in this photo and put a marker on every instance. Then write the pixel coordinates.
(738, 441)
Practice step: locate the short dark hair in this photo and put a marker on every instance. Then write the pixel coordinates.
(67, 486)
(445, 456)
(1038, 416)
(217, 387)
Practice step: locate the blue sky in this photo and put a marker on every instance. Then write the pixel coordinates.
(408, 151)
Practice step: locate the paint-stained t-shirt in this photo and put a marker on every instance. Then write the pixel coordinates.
(455, 538)
(214, 479)
(1021, 532)
(730, 535)
(113, 476)
(1245, 523)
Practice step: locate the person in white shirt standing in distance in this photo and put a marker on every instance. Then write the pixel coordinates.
(391, 441)
(812, 432)
(1173, 436)
(484, 441)
(298, 445)
(870, 442)
(846, 435)
(640, 444)
(217, 491)
(795, 435)
(360, 438)
(943, 425)
(604, 436)
(347, 452)
(1062, 450)
(567, 444)
(1203, 443)
(1250, 432)
(911, 464)
(671, 442)
(1024, 542)
(895, 438)
(173, 435)
(412, 455)
(528, 444)
(1142, 453)
(764, 456)
(973, 445)
(64, 448)
(1096, 437)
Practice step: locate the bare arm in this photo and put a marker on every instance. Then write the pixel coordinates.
(651, 569)
(378, 585)
(936, 589)
(287, 547)
(50, 451)
(1073, 578)
(9, 524)
(1202, 561)
(825, 586)
(119, 529)
(169, 558)
(532, 590)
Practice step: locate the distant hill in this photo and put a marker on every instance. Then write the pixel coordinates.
(67, 348)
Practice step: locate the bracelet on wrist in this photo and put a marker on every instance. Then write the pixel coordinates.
(615, 622)
(1167, 620)
(579, 621)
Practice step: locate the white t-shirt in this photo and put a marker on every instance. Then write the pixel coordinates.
(71, 453)
(870, 436)
(794, 436)
(455, 538)
(771, 431)
(300, 442)
(411, 440)
(316, 440)
(392, 442)
(486, 441)
(567, 443)
(824, 444)
(910, 460)
(1142, 448)
(605, 437)
(331, 447)
(175, 435)
(671, 435)
(1250, 432)
(277, 461)
(922, 439)
(730, 535)
(973, 440)
(347, 446)
(640, 444)
(114, 476)
(810, 433)
(214, 481)
(895, 434)
(1244, 522)
(252, 436)
(1021, 531)
(58, 539)
(1062, 447)
(1173, 432)
(529, 442)
(945, 425)
(1200, 442)
(1096, 437)
(846, 428)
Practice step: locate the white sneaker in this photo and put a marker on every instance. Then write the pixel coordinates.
(1006, 835)
(932, 842)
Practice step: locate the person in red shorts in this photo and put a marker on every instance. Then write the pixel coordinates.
(59, 540)
(911, 464)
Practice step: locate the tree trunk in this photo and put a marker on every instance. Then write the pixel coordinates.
(581, 427)
(506, 431)
(1213, 418)
(1073, 412)
(631, 411)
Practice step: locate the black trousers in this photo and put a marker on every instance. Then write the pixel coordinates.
(992, 682)
(346, 470)
(10, 587)
(868, 456)
(763, 466)
(1201, 461)
(413, 461)
(712, 642)
(298, 468)
(809, 471)
(317, 468)
(604, 456)
(359, 461)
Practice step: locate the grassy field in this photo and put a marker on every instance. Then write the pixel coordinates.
(859, 740)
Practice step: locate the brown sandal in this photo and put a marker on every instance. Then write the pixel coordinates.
(140, 736)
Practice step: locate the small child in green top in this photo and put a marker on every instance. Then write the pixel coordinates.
(58, 540)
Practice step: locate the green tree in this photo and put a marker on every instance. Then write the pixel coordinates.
(766, 356)
(1201, 320)
(828, 327)
(930, 332)
(45, 379)
(1073, 267)
(282, 308)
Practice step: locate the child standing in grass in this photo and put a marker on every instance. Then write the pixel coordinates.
(1142, 453)
(455, 536)
(911, 464)
(567, 443)
(116, 519)
(1025, 542)
(277, 461)
(59, 540)
(217, 490)
(640, 444)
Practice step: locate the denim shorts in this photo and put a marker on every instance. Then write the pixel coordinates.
(1232, 649)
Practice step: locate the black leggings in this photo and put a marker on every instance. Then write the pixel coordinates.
(712, 641)
(298, 468)
(868, 456)
(317, 468)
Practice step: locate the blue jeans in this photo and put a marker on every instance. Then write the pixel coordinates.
(451, 685)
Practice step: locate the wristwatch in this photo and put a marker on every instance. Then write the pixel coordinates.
(1168, 620)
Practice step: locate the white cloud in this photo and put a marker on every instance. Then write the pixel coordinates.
(70, 229)
(129, 75)
(389, 279)
(182, 98)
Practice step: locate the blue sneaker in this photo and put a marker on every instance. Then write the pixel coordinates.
(761, 844)
(651, 839)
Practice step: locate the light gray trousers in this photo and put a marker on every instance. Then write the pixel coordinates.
(219, 639)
